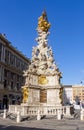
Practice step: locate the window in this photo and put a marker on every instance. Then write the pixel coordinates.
(0, 73)
(12, 85)
(17, 78)
(12, 75)
(18, 86)
(0, 51)
(12, 61)
(5, 73)
(7, 53)
(5, 83)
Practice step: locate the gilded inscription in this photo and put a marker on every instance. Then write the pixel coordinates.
(42, 80)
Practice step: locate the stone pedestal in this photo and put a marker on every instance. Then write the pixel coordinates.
(68, 111)
(4, 114)
(59, 114)
(82, 115)
(38, 115)
(18, 118)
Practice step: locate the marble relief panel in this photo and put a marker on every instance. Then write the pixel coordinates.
(35, 94)
(51, 95)
(34, 80)
(52, 79)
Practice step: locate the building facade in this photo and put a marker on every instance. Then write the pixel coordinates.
(12, 65)
(78, 94)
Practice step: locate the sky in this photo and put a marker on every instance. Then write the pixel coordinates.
(19, 19)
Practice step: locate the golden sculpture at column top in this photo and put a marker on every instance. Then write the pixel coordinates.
(43, 23)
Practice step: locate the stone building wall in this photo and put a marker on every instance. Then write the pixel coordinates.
(12, 65)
